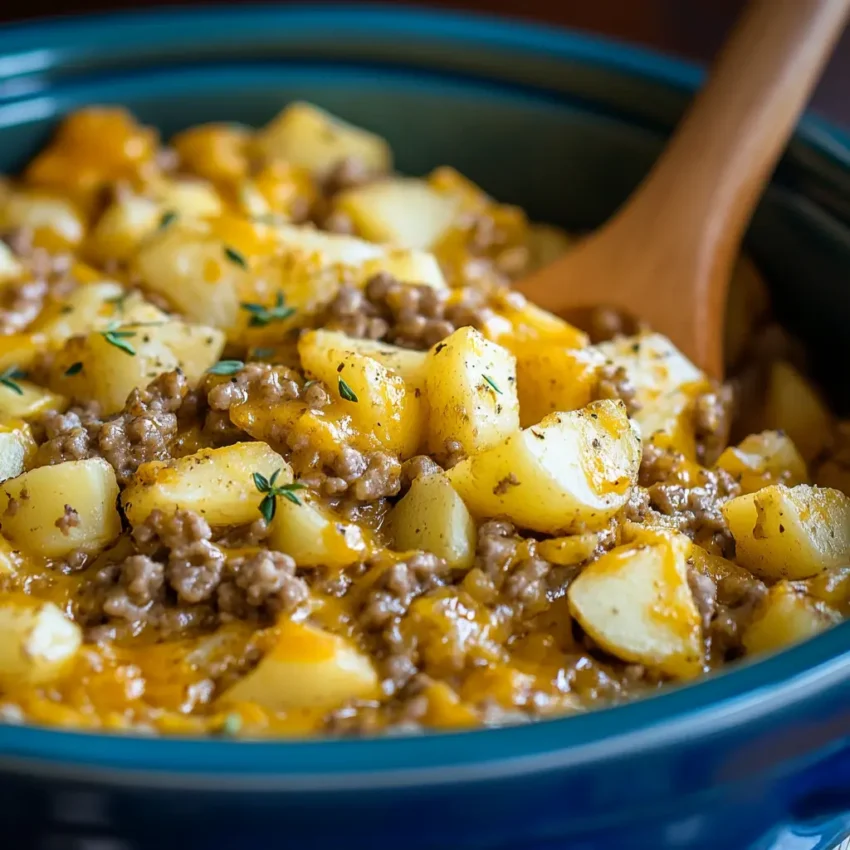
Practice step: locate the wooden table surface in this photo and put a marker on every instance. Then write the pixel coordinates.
(690, 28)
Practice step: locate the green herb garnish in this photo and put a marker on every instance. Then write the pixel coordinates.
(226, 367)
(346, 392)
(115, 336)
(168, 217)
(9, 376)
(118, 301)
(262, 315)
(269, 486)
(74, 369)
(235, 257)
(492, 384)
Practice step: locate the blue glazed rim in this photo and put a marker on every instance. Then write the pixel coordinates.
(744, 697)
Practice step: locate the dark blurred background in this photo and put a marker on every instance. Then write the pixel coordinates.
(689, 28)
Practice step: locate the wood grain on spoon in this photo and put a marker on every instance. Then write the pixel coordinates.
(667, 255)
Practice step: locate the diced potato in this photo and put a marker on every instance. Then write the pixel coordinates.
(380, 403)
(786, 616)
(635, 602)
(190, 198)
(123, 226)
(795, 407)
(401, 211)
(10, 266)
(83, 492)
(404, 362)
(17, 445)
(764, 459)
(570, 550)
(417, 267)
(471, 389)
(20, 349)
(195, 347)
(86, 308)
(791, 533)
(330, 248)
(520, 327)
(215, 483)
(314, 536)
(37, 641)
(308, 668)
(307, 136)
(31, 400)
(553, 378)
(570, 473)
(432, 517)
(56, 223)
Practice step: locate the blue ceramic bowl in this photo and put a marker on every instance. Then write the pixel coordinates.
(564, 125)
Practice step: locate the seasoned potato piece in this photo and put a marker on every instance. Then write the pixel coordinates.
(121, 229)
(314, 536)
(553, 378)
(58, 509)
(87, 308)
(10, 267)
(402, 211)
(307, 136)
(37, 641)
(17, 445)
(378, 402)
(470, 385)
(407, 266)
(795, 407)
(572, 472)
(330, 248)
(191, 198)
(519, 327)
(195, 347)
(20, 349)
(570, 550)
(433, 517)
(56, 223)
(786, 616)
(635, 602)
(764, 459)
(308, 668)
(791, 533)
(30, 401)
(215, 483)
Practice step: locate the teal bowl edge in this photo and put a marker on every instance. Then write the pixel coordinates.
(746, 696)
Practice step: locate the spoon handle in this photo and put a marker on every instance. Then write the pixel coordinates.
(731, 138)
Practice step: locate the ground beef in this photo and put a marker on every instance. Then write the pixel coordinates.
(265, 580)
(738, 595)
(348, 173)
(260, 382)
(20, 303)
(713, 422)
(705, 596)
(68, 436)
(69, 519)
(357, 476)
(526, 587)
(452, 454)
(406, 314)
(614, 383)
(417, 467)
(244, 536)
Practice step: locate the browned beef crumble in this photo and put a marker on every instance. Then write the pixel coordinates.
(614, 383)
(69, 519)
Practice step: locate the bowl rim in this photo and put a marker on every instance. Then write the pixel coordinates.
(741, 697)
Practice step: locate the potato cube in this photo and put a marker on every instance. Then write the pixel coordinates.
(188, 198)
(401, 211)
(379, 403)
(17, 446)
(195, 347)
(215, 483)
(56, 223)
(330, 248)
(307, 668)
(795, 407)
(470, 385)
(570, 550)
(635, 602)
(417, 267)
(791, 533)
(88, 307)
(314, 536)
(54, 510)
(570, 473)
(122, 228)
(519, 326)
(37, 641)
(309, 137)
(552, 378)
(432, 517)
(10, 266)
(764, 459)
(786, 616)
(30, 401)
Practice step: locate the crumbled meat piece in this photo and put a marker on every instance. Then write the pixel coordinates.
(68, 436)
(259, 382)
(244, 536)
(497, 546)
(657, 465)
(338, 221)
(361, 477)
(12, 507)
(604, 323)
(712, 422)
(143, 578)
(526, 586)
(20, 303)
(316, 396)
(737, 597)
(348, 173)
(264, 580)
(69, 519)
(614, 383)
(453, 453)
(417, 467)
(705, 596)
(510, 480)
(696, 508)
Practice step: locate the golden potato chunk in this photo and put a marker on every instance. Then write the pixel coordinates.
(308, 668)
(432, 517)
(792, 533)
(55, 510)
(786, 616)
(37, 641)
(27, 401)
(215, 483)
(635, 602)
(470, 384)
(570, 473)
(764, 459)
(17, 446)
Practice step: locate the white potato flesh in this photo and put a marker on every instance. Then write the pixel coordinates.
(790, 533)
(764, 459)
(10, 266)
(307, 668)
(215, 483)
(17, 445)
(330, 248)
(401, 211)
(30, 401)
(37, 641)
(122, 228)
(314, 536)
(432, 517)
(635, 602)
(40, 211)
(571, 473)
(195, 347)
(87, 308)
(193, 198)
(43, 496)
(417, 267)
(786, 616)
(470, 385)
(310, 137)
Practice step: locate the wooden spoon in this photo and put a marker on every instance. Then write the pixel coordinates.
(667, 255)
